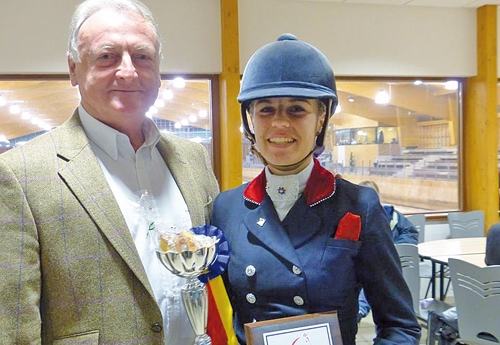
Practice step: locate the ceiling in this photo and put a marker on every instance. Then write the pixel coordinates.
(51, 102)
(434, 3)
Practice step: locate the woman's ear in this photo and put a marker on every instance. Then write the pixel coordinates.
(321, 121)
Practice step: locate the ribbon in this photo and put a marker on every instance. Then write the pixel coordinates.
(219, 264)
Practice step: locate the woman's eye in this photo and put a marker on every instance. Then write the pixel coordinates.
(296, 109)
(266, 110)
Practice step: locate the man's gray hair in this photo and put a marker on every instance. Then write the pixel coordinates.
(88, 7)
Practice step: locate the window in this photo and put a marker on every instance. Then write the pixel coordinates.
(408, 146)
(30, 107)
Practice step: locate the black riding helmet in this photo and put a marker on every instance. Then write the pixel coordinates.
(288, 68)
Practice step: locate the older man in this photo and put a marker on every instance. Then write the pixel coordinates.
(76, 263)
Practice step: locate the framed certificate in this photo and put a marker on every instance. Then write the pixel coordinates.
(317, 329)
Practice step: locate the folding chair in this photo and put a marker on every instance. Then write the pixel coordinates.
(466, 224)
(477, 297)
(410, 263)
(419, 221)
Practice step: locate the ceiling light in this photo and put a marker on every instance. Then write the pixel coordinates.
(184, 122)
(417, 82)
(153, 110)
(4, 139)
(26, 115)
(179, 83)
(451, 85)
(159, 103)
(168, 94)
(193, 118)
(177, 125)
(15, 109)
(350, 98)
(382, 97)
(3, 101)
(338, 109)
(203, 113)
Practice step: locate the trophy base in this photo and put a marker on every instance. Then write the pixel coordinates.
(203, 339)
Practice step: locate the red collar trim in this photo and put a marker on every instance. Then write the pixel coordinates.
(320, 186)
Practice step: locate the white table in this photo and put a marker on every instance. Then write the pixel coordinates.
(439, 252)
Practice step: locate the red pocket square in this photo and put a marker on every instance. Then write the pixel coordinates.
(349, 227)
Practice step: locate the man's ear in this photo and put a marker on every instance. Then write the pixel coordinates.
(72, 71)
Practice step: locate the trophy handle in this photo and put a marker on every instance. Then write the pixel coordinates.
(195, 298)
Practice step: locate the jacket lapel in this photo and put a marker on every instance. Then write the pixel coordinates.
(81, 172)
(264, 224)
(188, 181)
(302, 223)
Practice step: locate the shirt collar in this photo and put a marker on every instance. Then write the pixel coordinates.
(106, 138)
(320, 186)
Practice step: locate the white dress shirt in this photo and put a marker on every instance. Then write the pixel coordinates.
(129, 174)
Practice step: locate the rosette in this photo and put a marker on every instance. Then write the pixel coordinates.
(219, 264)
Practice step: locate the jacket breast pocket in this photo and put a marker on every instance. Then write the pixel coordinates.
(88, 338)
(339, 259)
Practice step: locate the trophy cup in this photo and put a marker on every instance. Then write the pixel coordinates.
(189, 255)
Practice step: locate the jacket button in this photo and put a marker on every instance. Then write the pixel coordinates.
(298, 300)
(296, 270)
(250, 271)
(251, 298)
(157, 327)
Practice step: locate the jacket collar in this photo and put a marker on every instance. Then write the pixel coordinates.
(320, 186)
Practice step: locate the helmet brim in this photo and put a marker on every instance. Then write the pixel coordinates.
(284, 92)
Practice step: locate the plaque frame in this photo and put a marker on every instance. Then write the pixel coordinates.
(254, 331)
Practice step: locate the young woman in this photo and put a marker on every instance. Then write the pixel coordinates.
(301, 240)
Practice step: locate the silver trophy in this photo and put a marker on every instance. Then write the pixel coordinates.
(190, 263)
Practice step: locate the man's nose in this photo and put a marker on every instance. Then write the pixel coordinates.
(126, 69)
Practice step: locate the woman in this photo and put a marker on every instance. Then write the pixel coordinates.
(302, 241)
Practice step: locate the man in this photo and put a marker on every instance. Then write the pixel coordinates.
(76, 261)
(492, 256)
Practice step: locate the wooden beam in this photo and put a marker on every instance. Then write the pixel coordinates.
(231, 148)
(480, 137)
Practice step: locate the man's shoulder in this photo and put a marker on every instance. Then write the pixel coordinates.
(41, 146)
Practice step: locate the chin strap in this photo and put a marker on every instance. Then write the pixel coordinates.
(283, 167)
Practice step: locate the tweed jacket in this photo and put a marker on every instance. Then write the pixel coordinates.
(334, 240)
(69, 269)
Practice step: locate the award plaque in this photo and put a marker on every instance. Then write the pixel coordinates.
(317, 329)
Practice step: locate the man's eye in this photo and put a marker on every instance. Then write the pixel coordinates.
(105, 56)
(144, 57)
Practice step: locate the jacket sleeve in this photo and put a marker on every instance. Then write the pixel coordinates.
(406, 232)
(493, 245)
(20, 273)
(379, 271)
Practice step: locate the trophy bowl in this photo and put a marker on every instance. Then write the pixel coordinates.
(190, 261)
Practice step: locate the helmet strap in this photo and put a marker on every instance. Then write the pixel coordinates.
(284, 167)
(280, 167)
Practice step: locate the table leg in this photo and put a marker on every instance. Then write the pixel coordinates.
(433, 279)
(441, 282)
